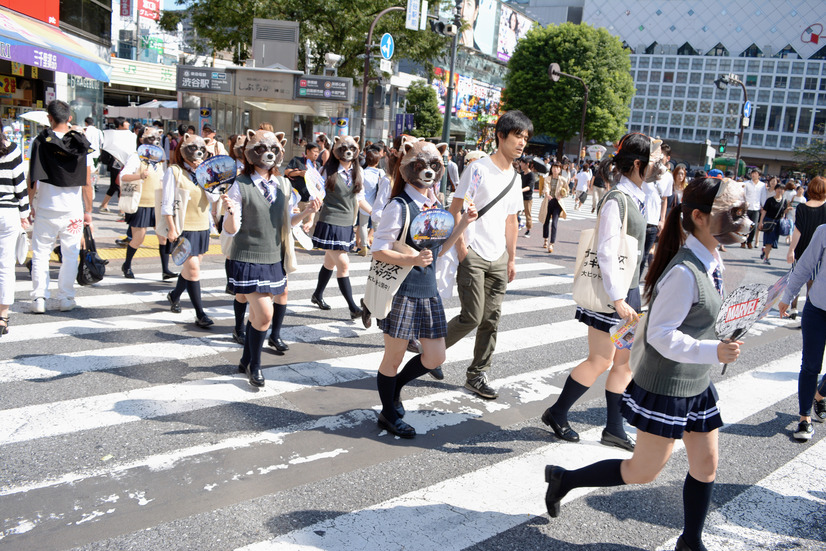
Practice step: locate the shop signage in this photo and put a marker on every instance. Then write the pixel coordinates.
(323, 88)
(47, 11)
(8, 86)
(264, 84)
(139, 73)
(149, 9)
(126, 8)
(203, 79)
(152, 43)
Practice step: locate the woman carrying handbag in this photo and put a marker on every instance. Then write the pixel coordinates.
(773, 210)
(634, 161)
(556, 189)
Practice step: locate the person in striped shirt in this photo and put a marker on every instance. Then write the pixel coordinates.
(14, 214)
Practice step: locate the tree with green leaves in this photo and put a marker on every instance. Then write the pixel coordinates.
(423, 103)
(328, 27)
(812, 156)
(555, 108)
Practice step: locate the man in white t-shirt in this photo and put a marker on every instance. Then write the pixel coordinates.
(656, 201)
(487, 249)
(583, 180)
(63, 204)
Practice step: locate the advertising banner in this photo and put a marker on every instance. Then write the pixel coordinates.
(47, 11)
(126, 8)
(150, 9)
(513, 27)
(472, 97)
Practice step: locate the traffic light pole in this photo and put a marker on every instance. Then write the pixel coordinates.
(368, 46)
(554, 73)
(449, 110)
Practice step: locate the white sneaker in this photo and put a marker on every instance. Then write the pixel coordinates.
(39, 306)
(67, 304)
(804, 432)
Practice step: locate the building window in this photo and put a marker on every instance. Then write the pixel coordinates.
(641, 89)
(804, 124)
(759, 117)
(718, 108)
(780, 82)
(787, 52)
(797, 67)
(90, 18)
(662, 118)
(707, 92)
(679, 91)
(771, 140)
(808, 98)
(642, 76)
(754, 66)
(705, 107)
(677, 105)
(751, 80)
(801, 141)
(823, 80)
(665, 105)
(655, 76)
(719, 50)
(683, 64)
(695, 78)
(765, 81)
(795, 83)
(812, 69)
(783, 67)
(691, 106)
(636, 116)
(644, 62)
(652, 48)
(696, 64)
(666, 91)
(774, 118)
(821, 99)
(717, 122)
(768, 66)
(810, 84)
(688, 134)
(670, 62)
(690, 120)
(752, 51)
(686, 49)
(819, 123)
(711, 64)
(793, 98)
(778, 97)
(702, 121)
(639, 103)
(764, 95)
(785, 142)
(657, 63)
(757, 139)
(668, 76)
(651, 104)
(682, 78)
(676, 119)
(790, 119)
(708, 78)
(693, 91)
(653, 90)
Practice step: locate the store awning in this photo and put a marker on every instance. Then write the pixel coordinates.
(41, 45)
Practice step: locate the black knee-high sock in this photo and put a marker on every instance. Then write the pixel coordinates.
(413, 369)
(324, 276)
(696, 501)
(278, 312)
(596, 475)
(240, 311)
(130, 254)
(571, 392)
(193, 289)
(163, 252)
(347, 292)
(245, 357)
(387, 392)
(256, 339)
(614, 424)
(179, 287)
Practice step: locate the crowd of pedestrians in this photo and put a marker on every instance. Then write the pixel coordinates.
(372, 194)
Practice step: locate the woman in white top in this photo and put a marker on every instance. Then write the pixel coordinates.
(372, 177)
(14, 214)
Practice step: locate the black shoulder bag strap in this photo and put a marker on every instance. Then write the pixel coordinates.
(487, 207)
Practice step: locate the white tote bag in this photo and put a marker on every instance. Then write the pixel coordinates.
(130, 196)
(589, 290)
(384, 279)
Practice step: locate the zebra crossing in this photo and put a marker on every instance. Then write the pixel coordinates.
(124, 426)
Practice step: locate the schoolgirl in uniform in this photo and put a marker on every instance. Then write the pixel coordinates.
(149, 176)
(416, 311)
(671, 396)
(334, 229)
(191, 151)
(239, 304)
(259, 219)
(633, 161)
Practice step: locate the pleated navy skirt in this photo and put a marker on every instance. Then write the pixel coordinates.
(199, 241)
(144, 217)
(604, 321)
(333, 238)
(245, 278)
(670, 416)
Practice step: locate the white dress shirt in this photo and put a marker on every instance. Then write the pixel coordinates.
(391, 222)
(755, 195)
(608, 238)
(234, 195)
(169, 185)
(668, 314)
(382, 196)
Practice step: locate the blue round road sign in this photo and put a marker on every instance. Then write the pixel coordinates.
(387, 46)
(747, 109)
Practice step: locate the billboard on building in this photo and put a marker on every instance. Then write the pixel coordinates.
(513, 26)
(126, 8)
(150, 9)
(481, 15)
(472, 97)
(47, 11)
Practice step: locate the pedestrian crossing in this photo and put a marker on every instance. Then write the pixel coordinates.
(122, 425)
(584, 212)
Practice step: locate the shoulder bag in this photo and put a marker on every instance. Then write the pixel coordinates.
(384, 279)
(589, 290)
(91, 267)
(785, 225)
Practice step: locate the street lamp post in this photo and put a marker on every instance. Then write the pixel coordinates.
(722, 82)
(368, 46)
(554, 73)
(457, 20)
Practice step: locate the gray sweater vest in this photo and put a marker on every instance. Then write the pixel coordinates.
(656, 373)
(340, 205)
(258, 241)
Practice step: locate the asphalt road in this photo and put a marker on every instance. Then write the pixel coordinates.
(124, 426)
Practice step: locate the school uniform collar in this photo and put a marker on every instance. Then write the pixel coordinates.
(711, 261)
(342, 169)
(418, 197)
(630, 188)
(257, 179)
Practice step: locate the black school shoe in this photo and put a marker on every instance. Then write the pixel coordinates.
(563, 431)
(255, 375)
(399, 428)
(319, 301)
(626, 443)
(204, 322)
(127, 272)
(278, 344)
(174, 305)
(553, 495)
(239, 336)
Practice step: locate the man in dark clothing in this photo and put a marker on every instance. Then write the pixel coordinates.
(295, 171)
(529, 179)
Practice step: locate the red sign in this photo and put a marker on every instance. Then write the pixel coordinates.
(47, 11)
(149, 9)
(126, 8)
(741, 310)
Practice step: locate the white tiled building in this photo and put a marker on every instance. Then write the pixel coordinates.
(776, 47)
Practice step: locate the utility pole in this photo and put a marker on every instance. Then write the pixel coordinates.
(368, 46)
(457, 21)
(554, 73)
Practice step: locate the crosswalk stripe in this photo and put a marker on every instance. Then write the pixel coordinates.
(458, 516)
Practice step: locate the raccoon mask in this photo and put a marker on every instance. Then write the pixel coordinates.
(730, 224)
(346, 148)
(264, 149)
(151, 136)
(193, 149)
(422, 165)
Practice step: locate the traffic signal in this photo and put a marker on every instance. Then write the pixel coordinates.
(722, 147)
(438, 26)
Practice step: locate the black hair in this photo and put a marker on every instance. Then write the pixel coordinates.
(309, 146)
(181, 130)
(631, 147)
(190, 127)
(513, 122)
(119, 122)
(666, 149)
(59, 110)
(89, 121)
(331, 169)
(159, 124)
(698, 195)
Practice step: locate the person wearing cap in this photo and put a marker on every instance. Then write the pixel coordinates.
(755, 198)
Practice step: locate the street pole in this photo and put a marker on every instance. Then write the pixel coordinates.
(368, 45)
(449, 110)
(554, 73)
(742, 127)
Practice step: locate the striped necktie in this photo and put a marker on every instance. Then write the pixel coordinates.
(348, 177)
(717, 275)
(267, 193)
(642, 207)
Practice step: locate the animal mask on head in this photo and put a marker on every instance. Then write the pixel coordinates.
(193, 149)
(264, 149)
(422, 165)
(656, 168)
(346, 148)
(730, 224)
(151, 136)
(238, 146)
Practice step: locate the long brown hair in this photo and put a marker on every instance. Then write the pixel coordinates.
(331, 169)
(394, 163)
(698, 195)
